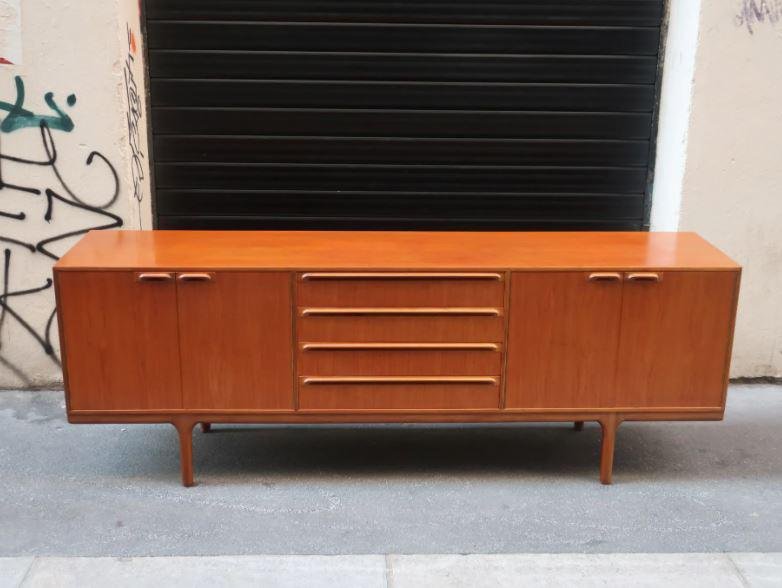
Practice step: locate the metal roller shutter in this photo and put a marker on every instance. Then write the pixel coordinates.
(404, 114)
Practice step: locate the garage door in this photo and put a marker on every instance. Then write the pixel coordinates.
(428, 114)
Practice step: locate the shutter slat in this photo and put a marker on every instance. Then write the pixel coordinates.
(254, 149)
(385, 67)
(571, 12)
(263, 36)
(397, 95)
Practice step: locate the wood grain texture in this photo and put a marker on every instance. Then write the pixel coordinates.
(236, 341)
(674, 340)
(400, 362)
(414, 329)
(562, 340)
(122, 351)
(477, 415)
(351, 397)
(401, 292)
(384, 250)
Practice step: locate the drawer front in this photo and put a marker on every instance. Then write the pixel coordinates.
(401, 289)
(389, 395)
(326, 360)
(383, 328)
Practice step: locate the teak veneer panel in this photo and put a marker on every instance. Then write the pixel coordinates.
(434, 329)
(236, 342)
(427, 396)
(400, 362)
(387, 250)
(119, 341)
(674, 343)
(402, 292)
(562, 340)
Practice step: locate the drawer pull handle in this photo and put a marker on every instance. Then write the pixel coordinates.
(199, 277)
(644, 277)
(464, 311)
(400, 346)
(401, 276)
(605, 277)
(313, 380)
(154, 277)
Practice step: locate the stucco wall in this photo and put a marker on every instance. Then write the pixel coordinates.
(731, 177)
(719, 158)
(62, 172)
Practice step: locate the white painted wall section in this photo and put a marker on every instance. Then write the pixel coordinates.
(674, 116)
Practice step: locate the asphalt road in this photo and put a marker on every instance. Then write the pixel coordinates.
(113, 490)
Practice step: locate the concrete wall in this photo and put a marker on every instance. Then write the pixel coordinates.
(71, 158)
(728, 187)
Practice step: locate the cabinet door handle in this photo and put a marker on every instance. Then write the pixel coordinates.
(197, 277)
(154, 277)
(605, 277)
(644, 277)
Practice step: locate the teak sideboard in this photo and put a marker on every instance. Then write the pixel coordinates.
(189, 327)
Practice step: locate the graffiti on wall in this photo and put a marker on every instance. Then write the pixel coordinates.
(40, 210)
(134, 116)
(755, 12)
(18, 117)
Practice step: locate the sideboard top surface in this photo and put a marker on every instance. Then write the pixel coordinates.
(392, 250)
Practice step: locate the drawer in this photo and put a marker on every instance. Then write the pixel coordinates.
(435, 329)
(331, 359)
(413, 289)
(404, 394)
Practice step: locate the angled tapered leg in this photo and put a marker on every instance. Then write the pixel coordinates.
(206, 427)
(185, 430)
(578, 425)
(609, 424)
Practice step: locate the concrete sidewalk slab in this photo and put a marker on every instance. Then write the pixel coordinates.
(13, 570)
(761, 570)
(583, 570)
(345, 571)
(692, 570)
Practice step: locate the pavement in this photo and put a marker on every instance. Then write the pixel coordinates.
(81, 496)
(695, 570)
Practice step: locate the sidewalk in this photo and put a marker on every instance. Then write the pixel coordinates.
(756, 570)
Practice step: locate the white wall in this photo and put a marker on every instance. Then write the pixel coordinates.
(77, 48)
(731, 172)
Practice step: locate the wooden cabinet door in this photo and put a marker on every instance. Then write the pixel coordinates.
(235, 333)
(562, 339)
(119, 339)
(675, 338)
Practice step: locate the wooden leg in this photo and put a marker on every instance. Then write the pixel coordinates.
(206, 427)
(609, 424)
(578, 425)
(185, 430)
